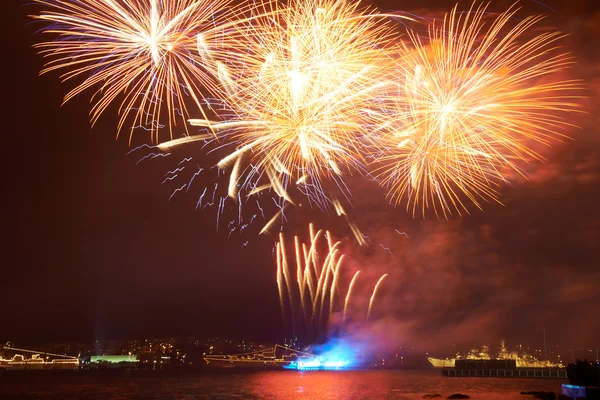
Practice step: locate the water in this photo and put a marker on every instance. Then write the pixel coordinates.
(272, 385)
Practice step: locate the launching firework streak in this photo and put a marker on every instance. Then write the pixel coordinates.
(315, 282)
(374, 293)
(296, 95)
(471, 100)
(145, 51)
(348, 294)
(315, 286)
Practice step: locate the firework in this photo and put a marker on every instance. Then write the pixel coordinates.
(312, 293)
(295, 95)
(471, 101)
(374, 293)
(314, 283)
(348, 295)
(145, 52)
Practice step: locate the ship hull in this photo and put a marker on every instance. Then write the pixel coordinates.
(548, 373)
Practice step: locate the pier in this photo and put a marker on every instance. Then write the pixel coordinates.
(550, 373)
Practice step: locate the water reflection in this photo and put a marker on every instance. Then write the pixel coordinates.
(272, 385)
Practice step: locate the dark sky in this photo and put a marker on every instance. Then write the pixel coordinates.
(93, 248)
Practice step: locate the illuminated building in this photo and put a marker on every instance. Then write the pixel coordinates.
(112, 361)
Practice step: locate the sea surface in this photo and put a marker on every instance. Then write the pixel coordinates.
(275, 385)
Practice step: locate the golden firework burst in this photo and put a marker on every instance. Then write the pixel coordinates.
(471, 100)
(144, 52)
(296, 93)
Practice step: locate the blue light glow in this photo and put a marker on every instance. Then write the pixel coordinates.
(334, 355)
(318, 364)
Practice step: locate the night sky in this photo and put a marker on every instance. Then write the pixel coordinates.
(94, 249)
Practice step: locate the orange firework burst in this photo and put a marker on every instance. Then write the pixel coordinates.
(143, 50)
(297, 91)
(470, 102)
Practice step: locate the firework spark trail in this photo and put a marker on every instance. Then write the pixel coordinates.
(199, 203)
(401, 233)
(214, 193)
(374, 294)
(260, 208)
(386, 249)
(240, 219)
(152, 156)
(175, 192)
(142, 51)
(221, 201)
(175, 171)
(143, 146)
(471, 100)
(169, 178)
(220, 210)
(192, 180)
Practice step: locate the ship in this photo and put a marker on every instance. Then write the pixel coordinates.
(19, 362)
(35, 362)
(522, 360)
(277, 357)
